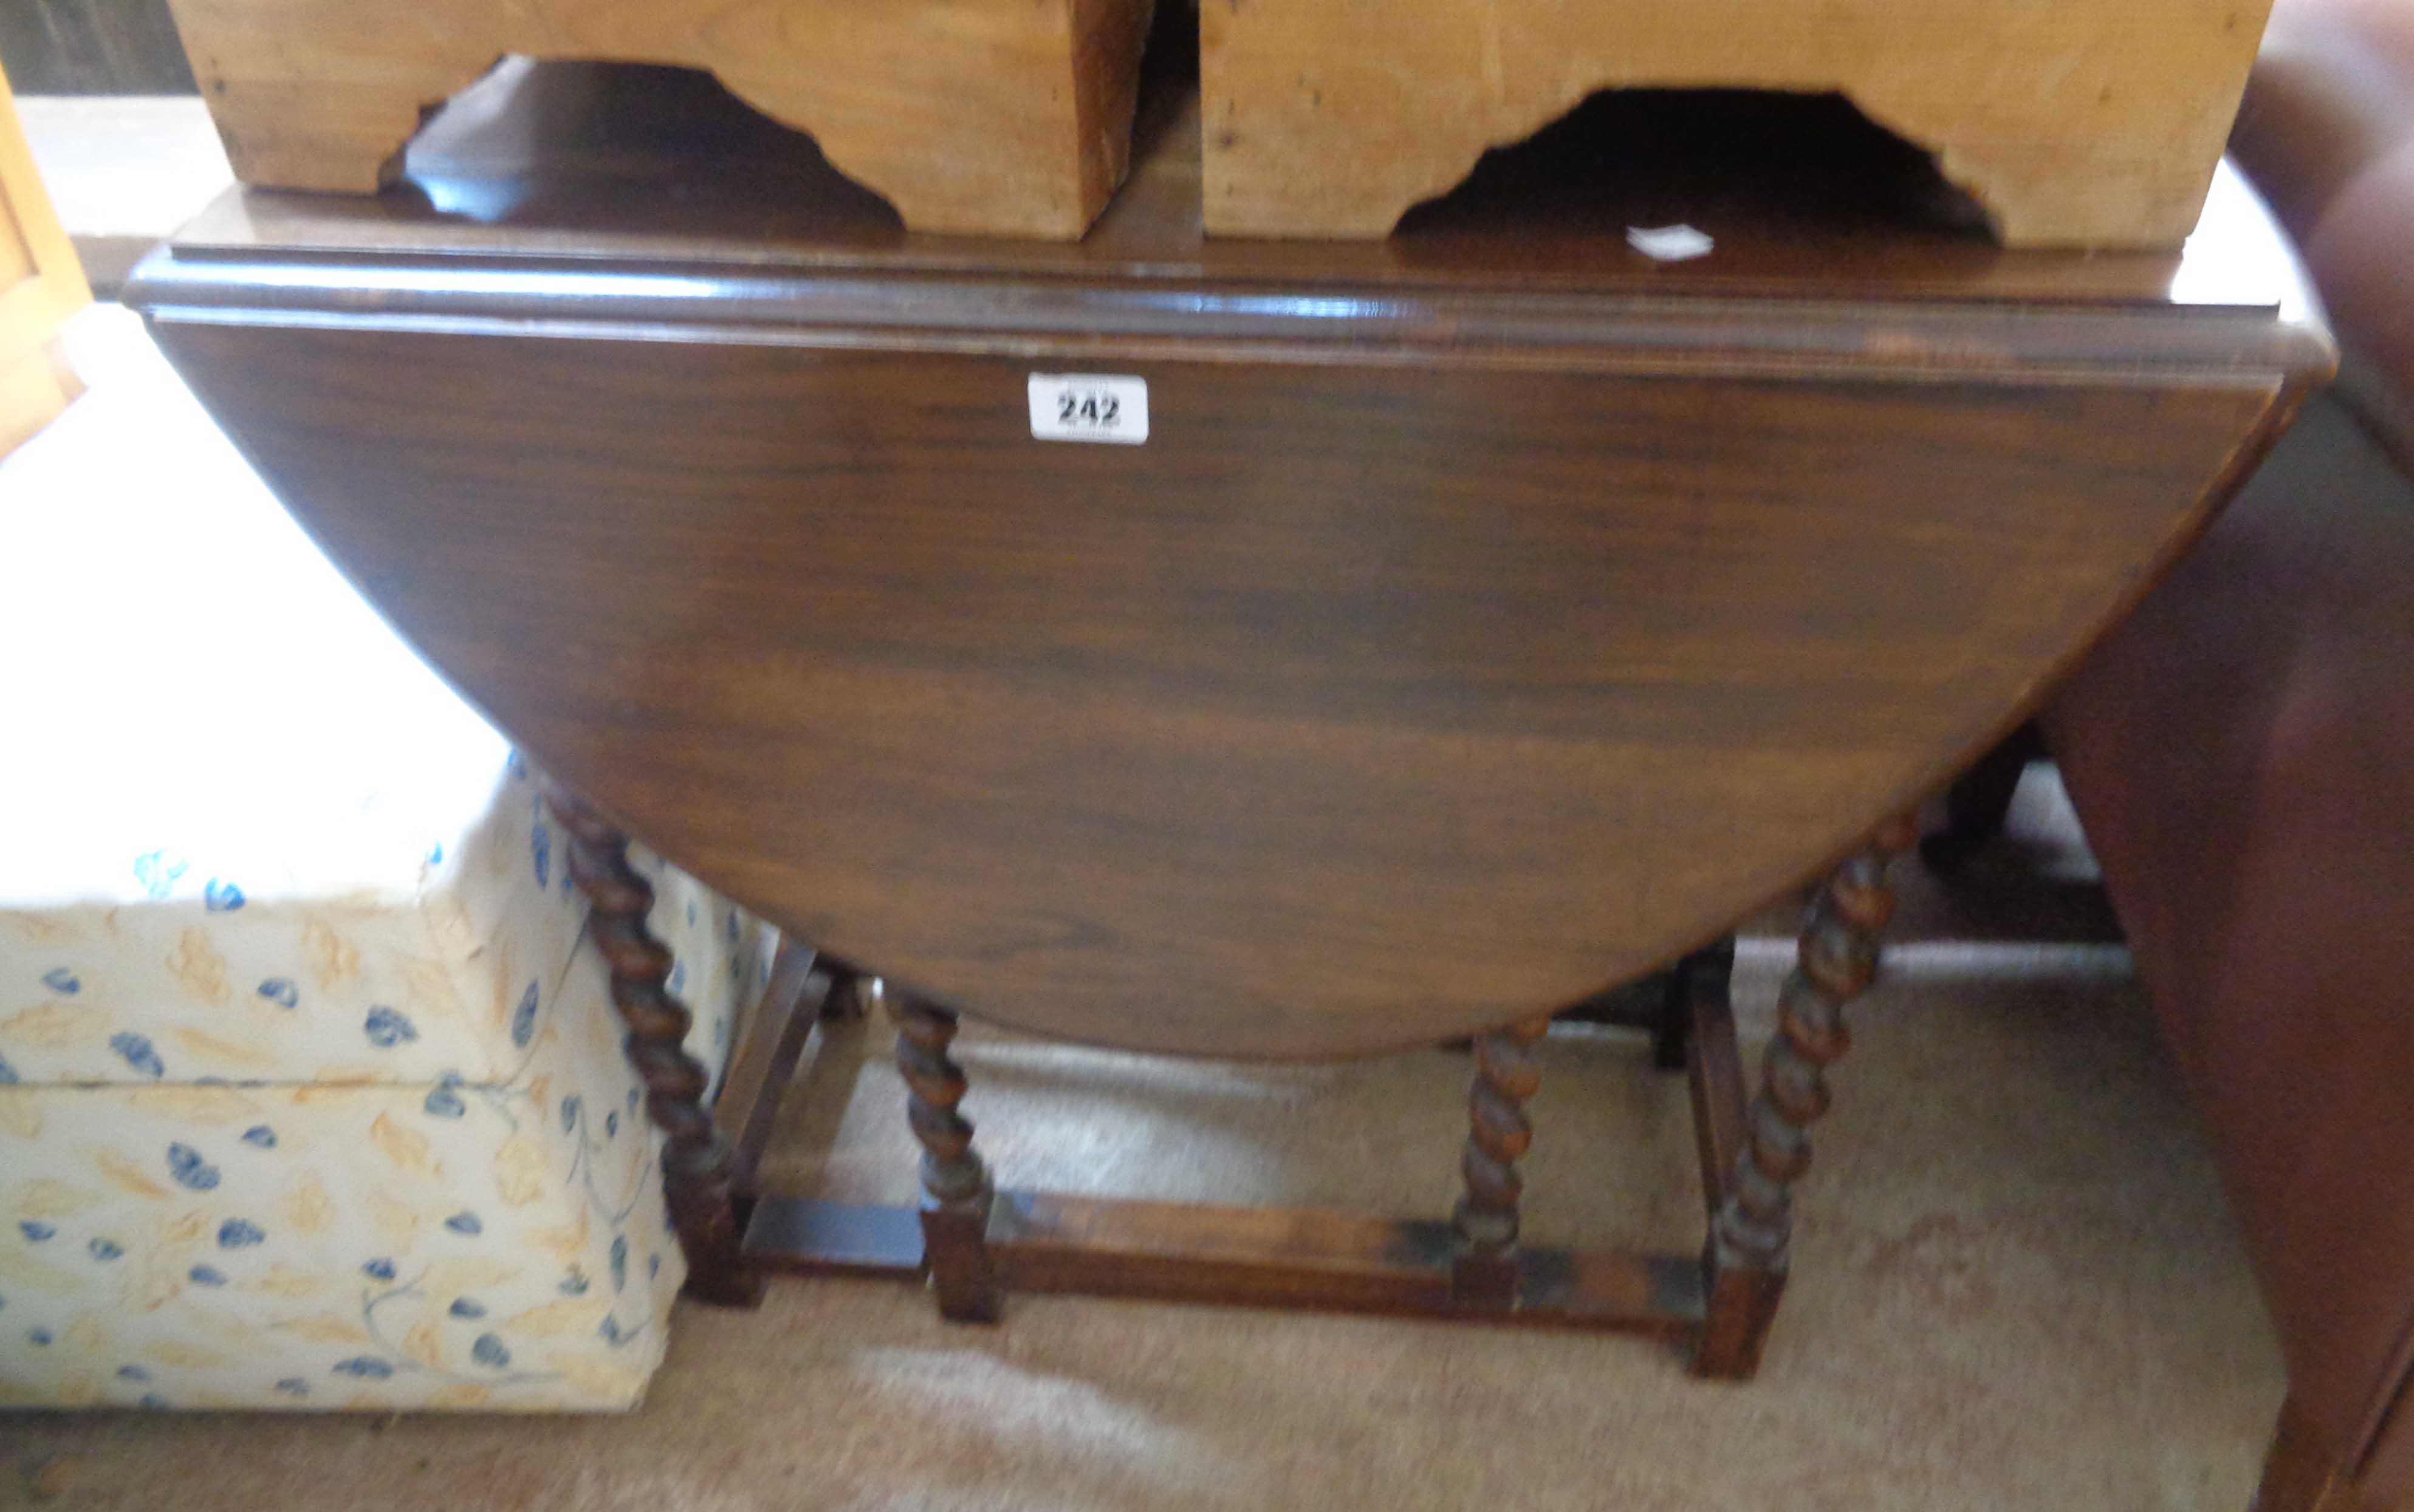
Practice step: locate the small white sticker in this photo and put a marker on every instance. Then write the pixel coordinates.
(1669, 243)
(1088, 406)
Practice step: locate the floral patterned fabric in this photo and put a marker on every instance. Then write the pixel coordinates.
(429, 970)
(496, 1241)
(310, 1096)
(423, 964)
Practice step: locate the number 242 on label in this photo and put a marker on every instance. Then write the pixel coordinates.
(1088, 406)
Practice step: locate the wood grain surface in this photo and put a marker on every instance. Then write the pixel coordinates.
(1458, 644)
(1007, 117)
(2077, 124)
(1046, 1241)
(569, 161)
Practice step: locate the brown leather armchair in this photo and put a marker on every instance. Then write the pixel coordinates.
(2241, 754)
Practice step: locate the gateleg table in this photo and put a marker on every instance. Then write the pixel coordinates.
(1247, 649)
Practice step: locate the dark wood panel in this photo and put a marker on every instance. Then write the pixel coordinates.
(1046, 1242)
(780, 1030)
(1042, 1241)
(1714, 1064)
(1488, 618)
(799, 1236)
(1366, 705)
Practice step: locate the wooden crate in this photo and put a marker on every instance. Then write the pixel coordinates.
(2075, 122)
(40, 286)
(1007, 117)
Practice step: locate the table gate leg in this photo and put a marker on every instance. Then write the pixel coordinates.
(1507, 1072)
(956, 1192)
(698, 1166)
(1745, 1258)
(1672, 1032)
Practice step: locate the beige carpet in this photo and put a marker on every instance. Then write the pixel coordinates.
(2014, 1287)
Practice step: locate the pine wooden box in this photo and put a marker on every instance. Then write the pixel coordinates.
(1003, 117)
(2074, 123)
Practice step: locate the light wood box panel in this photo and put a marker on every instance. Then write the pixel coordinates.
(1004, 117)
(2075, 122)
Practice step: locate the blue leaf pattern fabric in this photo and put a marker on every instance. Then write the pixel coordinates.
(260, 1136)
(158, 871)
(137, 1052)
(190, 1170)
(62, 981)
(386, 1028)
(465, 1224)
(424, 939)
(443, 1100)
(240, 1234)
(523, 1018)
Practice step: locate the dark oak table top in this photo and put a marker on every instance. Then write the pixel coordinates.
(1491, 613)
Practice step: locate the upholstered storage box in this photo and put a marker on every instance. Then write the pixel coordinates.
(1005, 117)
(2074, 123)
(374, 1149)
(312, 1093)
